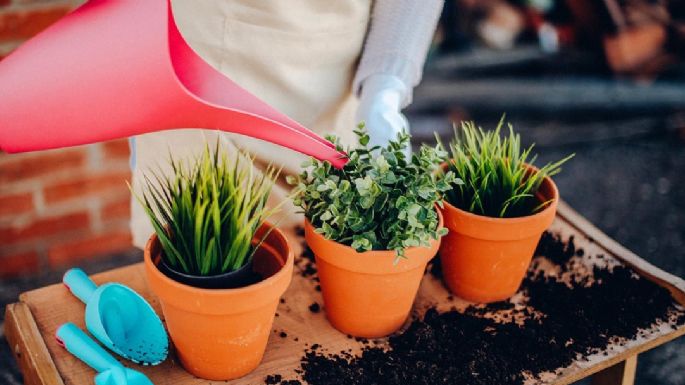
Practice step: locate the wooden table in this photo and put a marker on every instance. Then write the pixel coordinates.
(30, 324)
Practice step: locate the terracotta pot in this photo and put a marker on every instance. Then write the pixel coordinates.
(367, 294)
(221, 334)
(485, 259)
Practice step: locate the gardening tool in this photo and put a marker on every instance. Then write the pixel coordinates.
(110, 371)
(120, 319)
(117, 68)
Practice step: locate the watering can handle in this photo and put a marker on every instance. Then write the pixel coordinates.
(79, 284)
(80, 345)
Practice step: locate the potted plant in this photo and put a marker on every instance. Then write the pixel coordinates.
(373, 226)
(495, 213)
(216, 265)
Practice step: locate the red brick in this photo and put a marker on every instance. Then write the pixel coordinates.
(26, 166)
(25, 23)
(116, 149)
(21, 263)
(44, 227)
(16, 204)
(117, 210)
(88, 185)
(71, 252)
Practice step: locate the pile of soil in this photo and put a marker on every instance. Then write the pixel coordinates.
(558, 323)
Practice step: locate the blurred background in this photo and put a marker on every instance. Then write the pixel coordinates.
(604, 79)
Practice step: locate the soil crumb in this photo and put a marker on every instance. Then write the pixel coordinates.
(560, 321)
(307, 262)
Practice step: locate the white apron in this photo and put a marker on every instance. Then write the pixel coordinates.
(299, 56)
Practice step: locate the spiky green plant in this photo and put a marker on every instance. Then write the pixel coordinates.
(496, 182)
(206, 212)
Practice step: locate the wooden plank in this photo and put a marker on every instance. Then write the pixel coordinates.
(595, 238)
(674, 284)
(28, 347)
(53, 305)
(622, 373)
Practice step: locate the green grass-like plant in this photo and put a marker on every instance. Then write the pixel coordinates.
(491, 167)
(206, 212)
(380, 200)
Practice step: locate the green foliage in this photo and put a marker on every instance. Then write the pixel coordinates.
(207, 212)
(380, 200)
(492, 168)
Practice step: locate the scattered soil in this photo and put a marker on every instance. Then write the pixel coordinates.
(277, 379)
(435, 268)
(561, 319)
(306, 262)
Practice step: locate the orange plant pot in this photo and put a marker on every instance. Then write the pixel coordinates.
(366, 294)
(221, 334)
(485, 259)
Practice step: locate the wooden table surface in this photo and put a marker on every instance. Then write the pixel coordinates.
(31, 324)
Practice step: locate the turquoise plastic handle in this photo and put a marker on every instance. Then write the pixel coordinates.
(79, 284)
(80, 345)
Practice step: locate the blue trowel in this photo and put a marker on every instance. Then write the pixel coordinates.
(110, 371)
(120, 319)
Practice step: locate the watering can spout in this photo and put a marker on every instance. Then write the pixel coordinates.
(117, 68)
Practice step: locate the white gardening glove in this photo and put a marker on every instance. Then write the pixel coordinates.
(380, 107)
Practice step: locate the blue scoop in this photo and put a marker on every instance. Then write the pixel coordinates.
(110, 371)
(120, 319)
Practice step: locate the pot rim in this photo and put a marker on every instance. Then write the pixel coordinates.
(373, 261)
(220, 275)
(273, 279)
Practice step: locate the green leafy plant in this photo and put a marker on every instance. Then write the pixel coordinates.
(496, 181)
(380, 200)
(206, 212)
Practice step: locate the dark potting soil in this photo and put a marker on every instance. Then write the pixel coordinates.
(306, 262)
(559, 323)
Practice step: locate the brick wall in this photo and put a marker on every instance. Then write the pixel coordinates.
(59, 206)
(21, 19)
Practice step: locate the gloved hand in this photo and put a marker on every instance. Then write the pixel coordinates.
(380, 107)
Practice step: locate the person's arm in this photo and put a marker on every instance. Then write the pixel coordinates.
(392, 61)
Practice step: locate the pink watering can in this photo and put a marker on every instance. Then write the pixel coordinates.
(117, 68)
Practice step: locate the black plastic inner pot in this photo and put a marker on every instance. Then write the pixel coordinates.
(244, 276)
